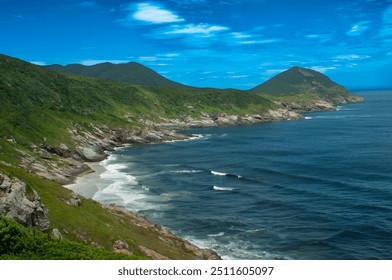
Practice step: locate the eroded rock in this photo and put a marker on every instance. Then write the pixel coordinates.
(27, 210)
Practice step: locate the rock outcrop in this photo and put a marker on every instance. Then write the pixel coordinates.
(164, 235)
(24, 208)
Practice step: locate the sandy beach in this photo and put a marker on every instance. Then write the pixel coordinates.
(87, 184)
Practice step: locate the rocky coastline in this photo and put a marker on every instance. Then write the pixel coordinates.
(63, 164)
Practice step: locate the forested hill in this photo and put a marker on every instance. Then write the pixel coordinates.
(131, 72)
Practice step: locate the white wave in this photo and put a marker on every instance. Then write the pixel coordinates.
(216, 235)
(233, 249)
(191, 138)
(200, 136)
(308, 118)
(187, 171)
(227, 189)
(216, 173)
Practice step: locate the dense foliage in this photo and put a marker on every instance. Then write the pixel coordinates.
(17, 242)
(131, 72)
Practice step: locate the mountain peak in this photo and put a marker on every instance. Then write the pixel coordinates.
(297, 80)
(131, 72)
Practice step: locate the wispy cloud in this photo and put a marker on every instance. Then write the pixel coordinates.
(154, 14)
(358, 28)
(40, 63)
(322, 38)
(237, 76)
(159, 57)
(202, 29)
(322, 69)
(240, 35)
(260, 42)
(274, 71)
(350, 57)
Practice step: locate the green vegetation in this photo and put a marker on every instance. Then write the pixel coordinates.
(38, 102)
(302, 85)
(131, 72)
(17, 242)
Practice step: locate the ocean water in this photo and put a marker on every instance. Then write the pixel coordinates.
(319, 188)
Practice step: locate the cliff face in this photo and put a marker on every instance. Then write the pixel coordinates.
(25, 209)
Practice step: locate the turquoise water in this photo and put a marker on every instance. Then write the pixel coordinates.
(319, 188)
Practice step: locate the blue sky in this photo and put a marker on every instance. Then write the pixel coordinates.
(206, 43)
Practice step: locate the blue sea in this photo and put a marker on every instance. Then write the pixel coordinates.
(319, 188)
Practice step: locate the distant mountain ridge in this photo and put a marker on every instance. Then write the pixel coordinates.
(131, 72)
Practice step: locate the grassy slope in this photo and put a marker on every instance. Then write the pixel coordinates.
(303, 86)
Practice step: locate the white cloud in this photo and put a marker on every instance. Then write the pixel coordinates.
(237, 76)
(240, 35)
(148, 58)
(90, 62)
(322, 69)
(159, 57)
(275, 71)
(171, 55)
(350, 57)
(260, 42)
(358, 28)
(322, 38)
(155, 14)
(197, 29)
(39, 63)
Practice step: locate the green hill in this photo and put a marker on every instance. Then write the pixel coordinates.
(41, 102)
(308, 83)
(131, 72)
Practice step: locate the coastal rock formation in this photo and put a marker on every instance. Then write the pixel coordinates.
(24, 208)
(307, 106)
(164, 234)
(120, 246)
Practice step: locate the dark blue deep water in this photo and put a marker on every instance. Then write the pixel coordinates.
(319, 188)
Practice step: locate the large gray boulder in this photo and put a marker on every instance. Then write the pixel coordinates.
(28, 211)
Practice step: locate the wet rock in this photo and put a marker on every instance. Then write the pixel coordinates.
(91, 153)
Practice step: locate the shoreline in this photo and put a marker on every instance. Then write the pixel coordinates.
(86, 184)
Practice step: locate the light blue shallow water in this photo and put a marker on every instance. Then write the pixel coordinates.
(319, 188)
